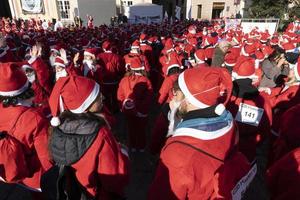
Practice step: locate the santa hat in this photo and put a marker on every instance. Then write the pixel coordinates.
(267, 50)
(73, 93)
(245, 68)
(192, 28)
(173, 63)
(169, 44)
(264, 37)
(135, 45)
(136, 64)
(230, 59)
(200, 55)
(59, 61)
(13, 80)
(248, 50)
(106, 45)
(143, 37)
(203, 87)
(55, 48)
(90, 52)
(288, 47)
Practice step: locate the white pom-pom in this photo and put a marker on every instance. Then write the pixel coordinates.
(55, 121)
(220, 109)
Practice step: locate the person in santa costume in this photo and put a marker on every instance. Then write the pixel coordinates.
(252, 111)
(171, 72)
(114, 69)
(24, 124)
(90, 67)
(135, 95)
(136, 52)
(283, 177)
(6, 54)
(205, 134)
(76, 104)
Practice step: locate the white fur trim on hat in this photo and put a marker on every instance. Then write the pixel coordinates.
(236, 76)
(15, 92)
(198, 60)
(172, 66)
(243, 52)
(220, 108)
(89, 100)
(139, 68)
(59, 64)
(228, 64)
(89, 54)
(135, 47)
(187, 94)
(55, 121)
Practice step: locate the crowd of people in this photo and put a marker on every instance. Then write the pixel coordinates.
(221, 94)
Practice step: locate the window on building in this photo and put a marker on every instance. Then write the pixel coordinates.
(129, 3)
(199, 11)
(123, 3)
(64, 9)
(218, 8)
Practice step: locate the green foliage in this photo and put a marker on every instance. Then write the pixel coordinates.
(268, 8)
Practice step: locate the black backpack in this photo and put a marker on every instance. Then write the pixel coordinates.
(60, 183)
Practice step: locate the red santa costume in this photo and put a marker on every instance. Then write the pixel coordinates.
(134, 52)
(251, 111)
(135, 95)
(90, 68)
(23, 124)
(205, 135)
(200, 58)
(165, 92)
(106, 175)
(283, 177)
(114, 69)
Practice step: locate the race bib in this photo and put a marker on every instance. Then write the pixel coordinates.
(241, 187)
(249, 114)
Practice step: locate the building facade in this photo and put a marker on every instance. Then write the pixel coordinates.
(125, 3)
(66, 10)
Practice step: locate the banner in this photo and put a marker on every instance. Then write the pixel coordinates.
(262, 26)
(32, 6)
(189, 9)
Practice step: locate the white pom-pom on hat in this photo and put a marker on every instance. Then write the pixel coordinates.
(220, 109)
(55, 121)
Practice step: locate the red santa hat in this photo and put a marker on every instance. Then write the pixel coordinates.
(192, 28)
(136, 64)
(200, 55)
(264, 37)
(143, 37)
(173, 63)
(288, 47)
(169, 44)
(244, 69)
(73, 93)
(205, 86)
(135, 45)
(55, 48)
(90, 52)
(267, 50)
(59, 61)
(248, 50)
(106, 45)
(230, 59)
(13, 80)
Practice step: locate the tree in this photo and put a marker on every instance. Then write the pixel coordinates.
(268, 8)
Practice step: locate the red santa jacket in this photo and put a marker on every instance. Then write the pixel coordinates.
(6, 55)
(283, 177)
(143, 58)
(289, 137)
(138, 89)
(148, 52)
(43, 74)
(106, 173)
(114, 67)
(165, 92)
(179, 175)
(253, 115)
(28, 127)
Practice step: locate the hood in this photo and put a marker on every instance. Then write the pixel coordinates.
(72, 139)
(243, 88)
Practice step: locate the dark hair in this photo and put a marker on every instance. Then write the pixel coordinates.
(174, 70)
(13, 101)
(74, 116)
(132, 72)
